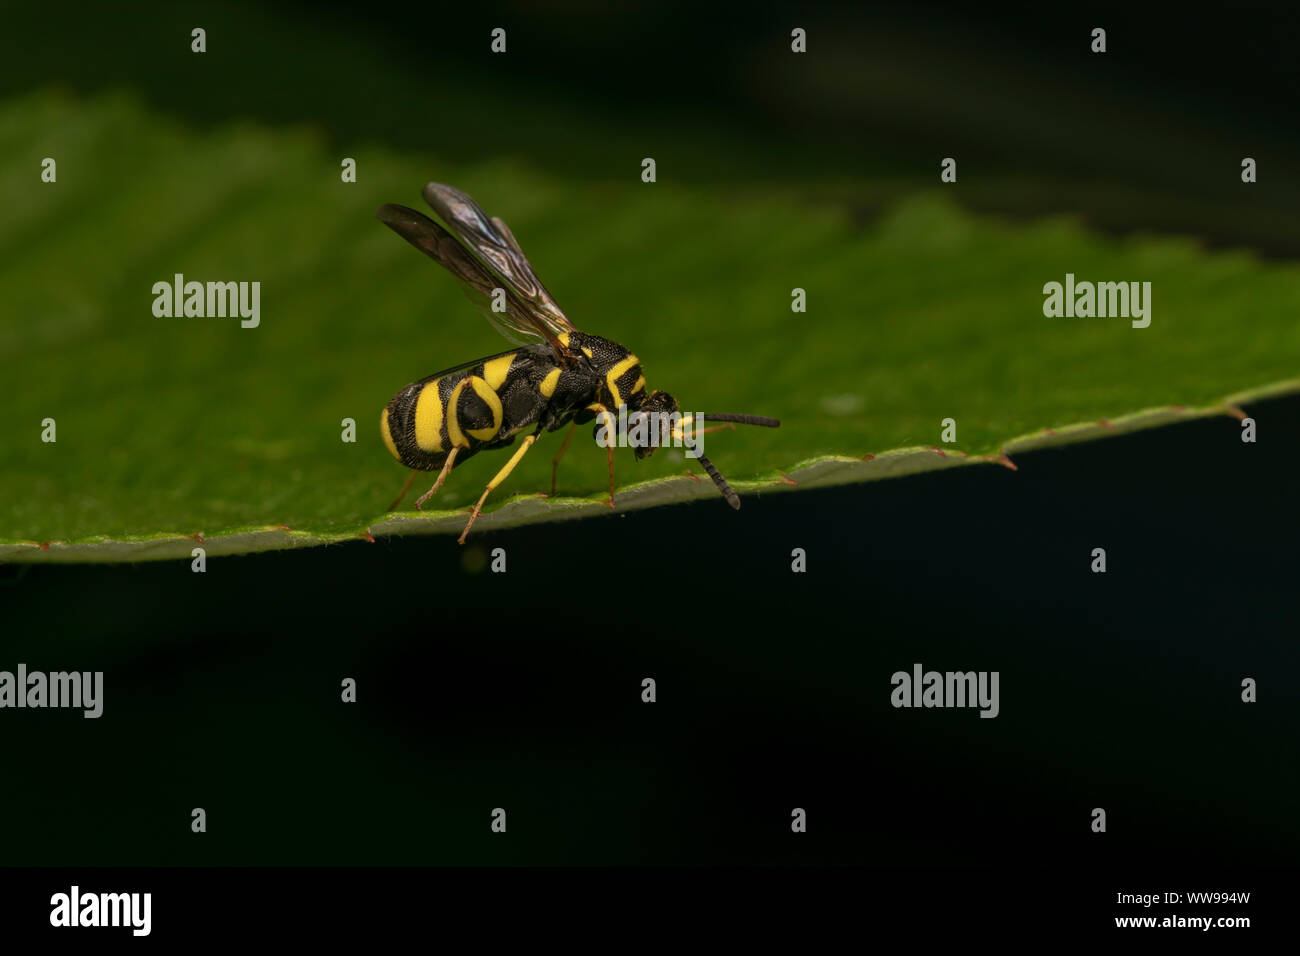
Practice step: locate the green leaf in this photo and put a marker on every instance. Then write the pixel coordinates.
(169, 428)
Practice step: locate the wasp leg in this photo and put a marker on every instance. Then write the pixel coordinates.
(555, 462)
(610, 449)
(442, 476)
(405, 488)
(611, 427)
(500, 477)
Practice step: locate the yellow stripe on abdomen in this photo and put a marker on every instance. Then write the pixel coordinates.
(428, 418)
(483, 390)
(453, 427)
(388, 435)
(495, 371)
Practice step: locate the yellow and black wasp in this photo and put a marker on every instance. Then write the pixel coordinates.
(555, 376)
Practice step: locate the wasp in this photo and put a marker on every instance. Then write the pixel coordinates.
(555, 376)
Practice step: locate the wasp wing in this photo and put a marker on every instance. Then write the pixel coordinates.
(508, 236)
(490, 241)
(475, 279)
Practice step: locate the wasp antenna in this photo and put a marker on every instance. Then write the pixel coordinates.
(733, 499)
(744, 420)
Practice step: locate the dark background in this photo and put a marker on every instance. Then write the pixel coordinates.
(523, 690)
(1141, 139)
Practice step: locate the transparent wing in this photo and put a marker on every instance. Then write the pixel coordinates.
(474, 277)
(509, 236)
(490, 241)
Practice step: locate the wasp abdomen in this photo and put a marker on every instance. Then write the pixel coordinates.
(469, 408)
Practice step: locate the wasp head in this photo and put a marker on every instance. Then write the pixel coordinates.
(658, 405)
